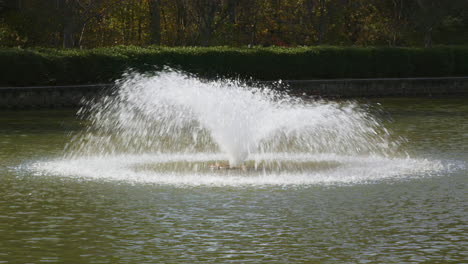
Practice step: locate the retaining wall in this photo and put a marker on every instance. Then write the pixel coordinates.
(49, 96)
(73, 96)
(384, 87)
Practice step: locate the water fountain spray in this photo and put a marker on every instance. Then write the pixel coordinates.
(173, 112)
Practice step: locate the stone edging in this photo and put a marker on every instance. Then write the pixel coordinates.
(73, 95)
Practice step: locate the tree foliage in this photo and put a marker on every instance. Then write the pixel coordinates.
(99, 23)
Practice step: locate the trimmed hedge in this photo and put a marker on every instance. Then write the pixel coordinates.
(40, 66)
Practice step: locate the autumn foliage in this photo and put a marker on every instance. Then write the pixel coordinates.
(102, 23)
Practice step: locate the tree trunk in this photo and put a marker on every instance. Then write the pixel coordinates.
(155, 22)
(140, 21)
(396, 24)
(310, 11)
(69, 24)
(321, 27)
(206, 12)
(80, 41)
(428, 38)
(231, 11)
(278, 20)
(181, 22)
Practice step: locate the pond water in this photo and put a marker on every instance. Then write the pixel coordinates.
(410, 216)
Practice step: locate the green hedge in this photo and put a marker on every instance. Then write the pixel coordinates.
(39, 66)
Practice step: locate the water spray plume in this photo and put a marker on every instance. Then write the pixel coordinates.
(174, 128)
(173, 112)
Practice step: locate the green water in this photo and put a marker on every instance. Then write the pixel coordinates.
(66, 220)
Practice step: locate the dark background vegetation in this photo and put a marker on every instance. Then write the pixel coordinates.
(100, 23)
(37, 66)
(48, 42)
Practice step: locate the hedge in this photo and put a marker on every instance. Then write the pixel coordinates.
(41, 66)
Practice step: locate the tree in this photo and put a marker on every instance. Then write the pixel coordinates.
(94, 23)
(155, 21)
(205, 12)
(432, 13)
(69, 23)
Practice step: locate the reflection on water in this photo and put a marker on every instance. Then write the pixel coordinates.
(68, 220)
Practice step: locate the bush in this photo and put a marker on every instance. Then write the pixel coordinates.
(40, 66)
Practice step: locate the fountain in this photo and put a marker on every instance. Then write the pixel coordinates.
(173, 127)
(173, 168)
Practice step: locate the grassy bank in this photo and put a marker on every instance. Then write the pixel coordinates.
(20, 67)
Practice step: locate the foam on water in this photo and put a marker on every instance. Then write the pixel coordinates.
(168, 128)
(350, 170)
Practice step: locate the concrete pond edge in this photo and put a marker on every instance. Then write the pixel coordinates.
(76, 95)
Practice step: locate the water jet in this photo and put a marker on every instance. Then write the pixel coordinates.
(172, 127)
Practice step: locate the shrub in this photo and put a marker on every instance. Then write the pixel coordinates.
(41, 66)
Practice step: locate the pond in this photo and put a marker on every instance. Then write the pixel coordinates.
(50, 211)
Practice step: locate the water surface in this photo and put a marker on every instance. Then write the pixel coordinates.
(419, 217)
